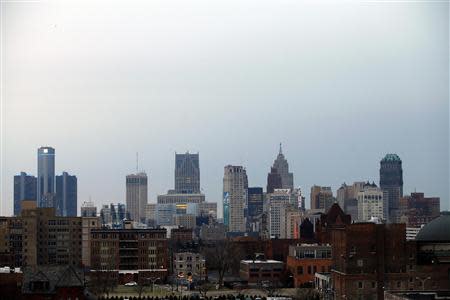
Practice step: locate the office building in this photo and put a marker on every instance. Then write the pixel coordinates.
(416, 210)
(46, 177)
(321, 197)
(235, 184)
(173, 198)
(391, 181)
(370, 203)
(187, 173)
(88, 209)
(25, 188)
(136, 196)
(113, 215)
(280, 172)
(66, 195)
(346, 197)
(279, 203)
(88, 223)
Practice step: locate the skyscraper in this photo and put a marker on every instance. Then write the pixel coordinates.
(187, 173)
(66, 195)
(24, 189)
(136, 196)
(280, 167)
(46, 176)
(235, 184)
(391, 181)
(321, 197)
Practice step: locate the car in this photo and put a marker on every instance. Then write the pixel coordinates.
(131, 283)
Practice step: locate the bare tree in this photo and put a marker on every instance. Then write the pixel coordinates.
(220, 257)
(203, 287)
(102, 281)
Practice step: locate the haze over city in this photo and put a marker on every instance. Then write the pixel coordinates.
(229, 80)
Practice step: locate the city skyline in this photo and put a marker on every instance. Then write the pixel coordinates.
(229, 80)
(334, 189)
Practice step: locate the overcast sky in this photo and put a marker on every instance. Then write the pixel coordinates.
(339, 83)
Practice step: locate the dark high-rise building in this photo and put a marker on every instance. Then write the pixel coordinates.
(187, 173)
(46, 176)
(255, 201)
(273, 181)
(24, 189)
(66, 195)
(280, 172)
(391, 181)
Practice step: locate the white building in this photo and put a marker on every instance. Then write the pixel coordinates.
(235, 184)
(136, 196)
(370, 203)
(279, 203)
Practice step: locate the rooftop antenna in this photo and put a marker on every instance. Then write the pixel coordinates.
(137, 162)
(281, 150)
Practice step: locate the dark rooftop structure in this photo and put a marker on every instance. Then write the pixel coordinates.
(437, 230)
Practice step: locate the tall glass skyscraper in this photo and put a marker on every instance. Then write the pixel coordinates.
(391, 181)
(46, 177)
(24, 189)
(187, 173)
(66, 195)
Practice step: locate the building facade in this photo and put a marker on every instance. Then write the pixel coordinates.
(416, 210)
(235, 184)
(280, 172)
(370, 203)
(136, 196)
(187, 173)
(189, 265)
(88, 209)
(321, 197)
(142, 251)
(305, 260)
(66, 195)
(256, 271)
(46, 176)
(25, 188)
(391, 181)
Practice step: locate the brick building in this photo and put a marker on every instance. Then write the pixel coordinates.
(305, 260)
(369, 258)
(39, 237)
(334, 218)
(139, 252)
(416, 209)
(256, 271)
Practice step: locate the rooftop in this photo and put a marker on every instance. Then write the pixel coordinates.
(391, 157)
(436, 230)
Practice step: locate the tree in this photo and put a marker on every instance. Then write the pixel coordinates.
(102, 281)
(221, 256)
(203, 287)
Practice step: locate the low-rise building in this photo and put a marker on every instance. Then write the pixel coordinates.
(305, 260)
(256, 271)
(189, 265)
(139, 252)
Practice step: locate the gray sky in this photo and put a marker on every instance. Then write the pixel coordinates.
(339, 83)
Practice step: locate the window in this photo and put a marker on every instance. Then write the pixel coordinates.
(360, 284)
(374, 284)
(399, 284)
(360, 262)
(299, 270)
(309, 269)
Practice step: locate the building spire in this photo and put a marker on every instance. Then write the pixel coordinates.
(281, 150)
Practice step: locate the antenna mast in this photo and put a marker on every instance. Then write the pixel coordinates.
(137, 162)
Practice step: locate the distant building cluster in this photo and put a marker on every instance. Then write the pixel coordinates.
(367, 241)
